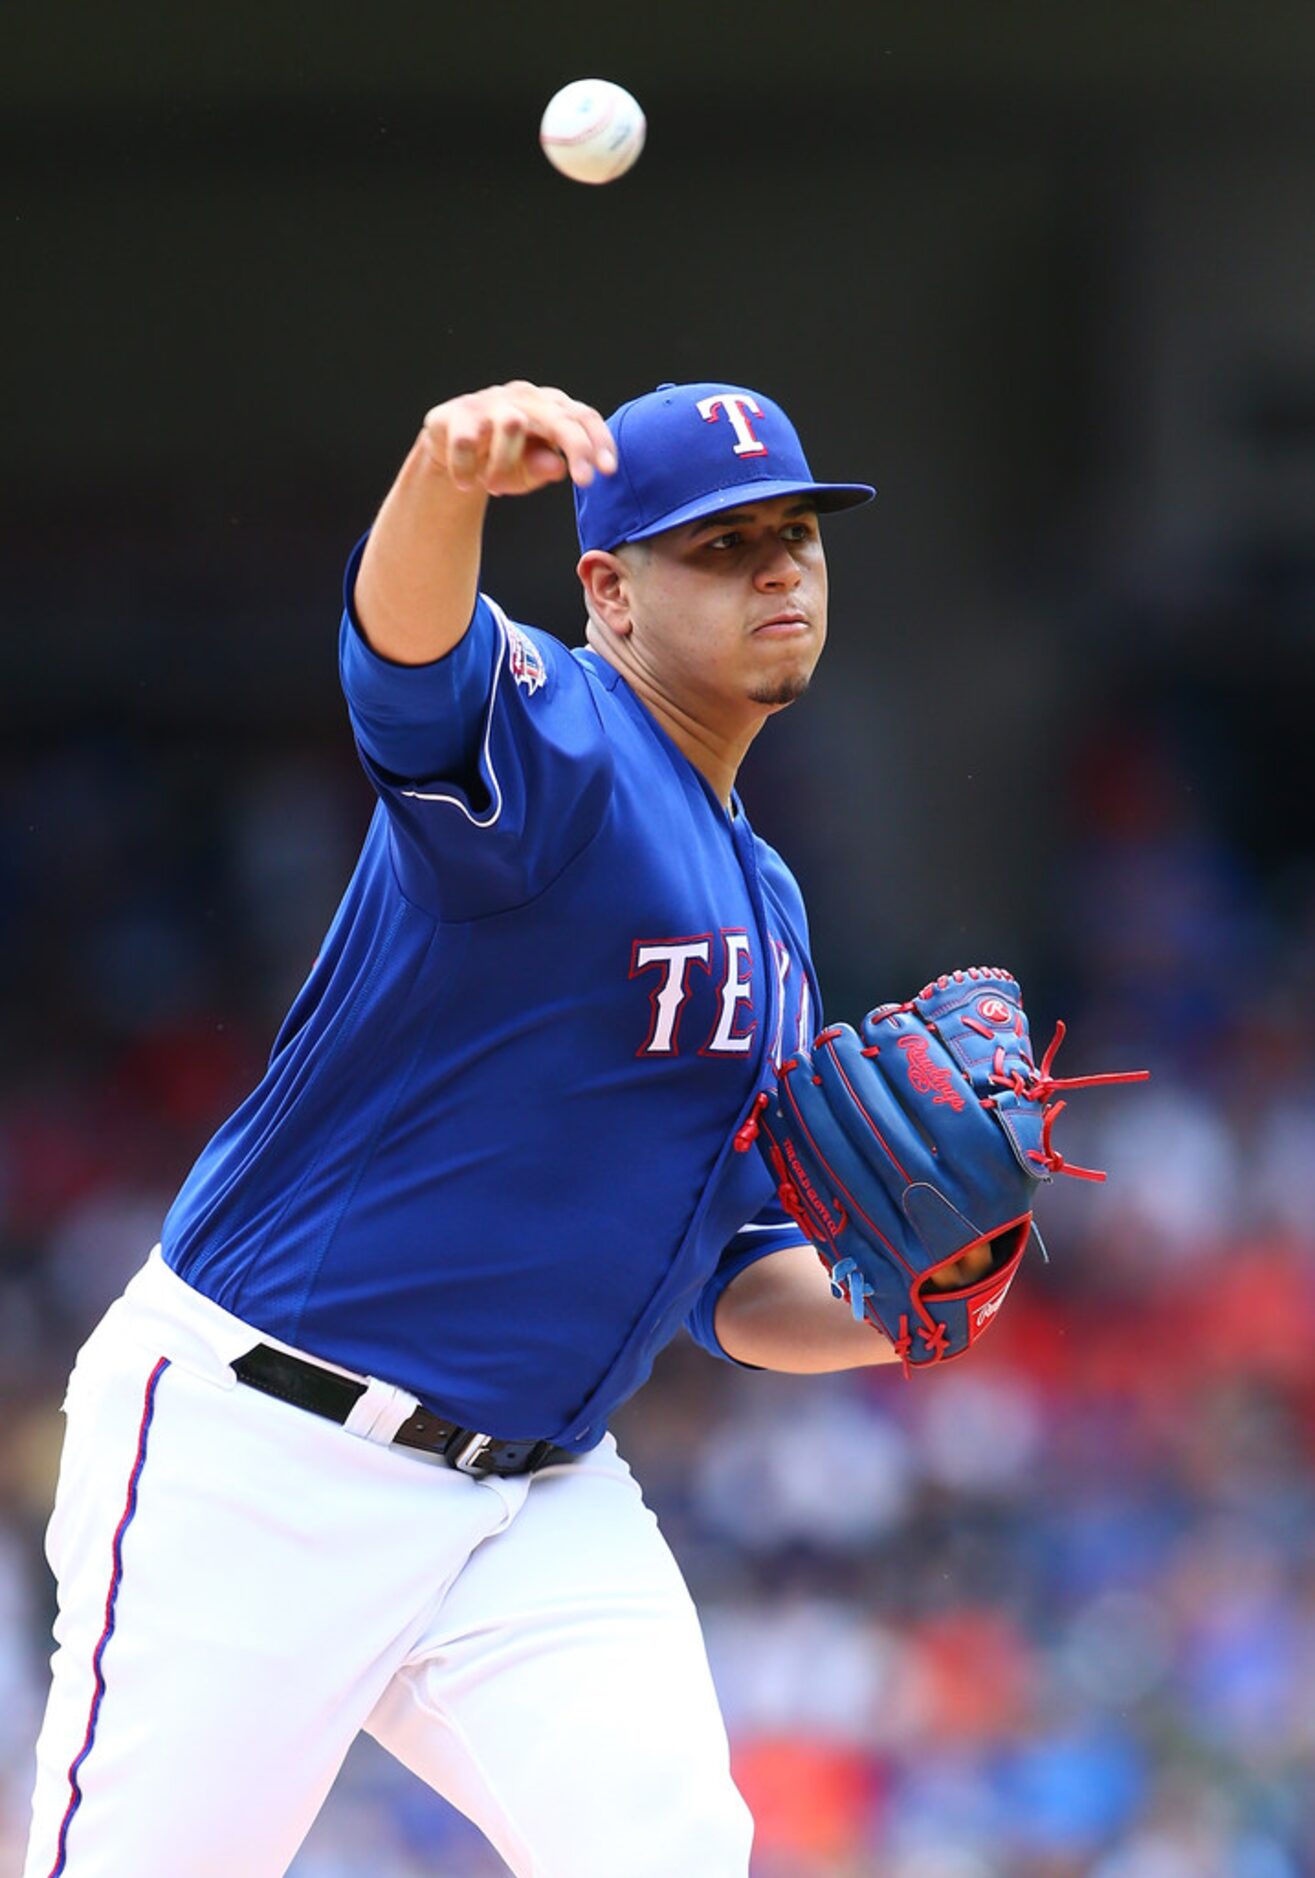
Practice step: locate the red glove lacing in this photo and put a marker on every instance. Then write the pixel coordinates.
(1040, 1086)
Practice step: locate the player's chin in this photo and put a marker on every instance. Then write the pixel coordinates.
(787, 688)
(785, 679)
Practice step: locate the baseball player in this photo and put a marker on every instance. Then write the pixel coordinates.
(338, 1459)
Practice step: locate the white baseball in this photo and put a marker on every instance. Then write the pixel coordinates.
(592, 130)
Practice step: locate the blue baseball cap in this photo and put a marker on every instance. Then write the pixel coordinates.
(685, 451)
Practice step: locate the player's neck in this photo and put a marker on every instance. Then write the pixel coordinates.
(716, 757)
(713, 740)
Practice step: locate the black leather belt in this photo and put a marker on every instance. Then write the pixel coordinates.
(324, 1392)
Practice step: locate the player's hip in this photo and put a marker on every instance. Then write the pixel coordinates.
(347, 1423)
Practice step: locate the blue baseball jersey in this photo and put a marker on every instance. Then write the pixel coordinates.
(492, 1158)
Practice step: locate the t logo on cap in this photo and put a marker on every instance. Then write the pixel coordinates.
(674, 466)
(737, 408)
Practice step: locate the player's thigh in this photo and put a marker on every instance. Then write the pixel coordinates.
(562, 1698)
(219, 1645)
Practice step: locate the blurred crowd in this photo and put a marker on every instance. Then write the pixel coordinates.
(1047, 1614)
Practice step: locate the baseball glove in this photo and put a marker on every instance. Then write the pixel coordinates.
(899, 1151)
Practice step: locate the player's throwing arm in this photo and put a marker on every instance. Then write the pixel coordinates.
(418, 578)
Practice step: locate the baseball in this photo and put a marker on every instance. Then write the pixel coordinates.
(592, 130)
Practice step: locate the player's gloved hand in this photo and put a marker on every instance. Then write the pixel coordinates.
(913, 1151)
(509, 440)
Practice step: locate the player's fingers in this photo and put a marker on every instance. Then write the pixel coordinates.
(506, 449)
(602, 446)
(434, 433)
(572, 438)
(965, 1270)
(600, 437)
(525, 450)
(469, 431)
(542, 464)
(482, 438)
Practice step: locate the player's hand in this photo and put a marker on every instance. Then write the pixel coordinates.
(975, 1263)
(512, 439)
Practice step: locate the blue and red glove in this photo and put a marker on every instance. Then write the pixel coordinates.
(900, 1150)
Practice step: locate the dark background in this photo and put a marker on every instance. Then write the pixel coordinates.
(1046, 275)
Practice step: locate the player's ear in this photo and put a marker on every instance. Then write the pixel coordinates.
(606, 582)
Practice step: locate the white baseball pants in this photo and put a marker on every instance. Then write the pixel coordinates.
(243, 1586)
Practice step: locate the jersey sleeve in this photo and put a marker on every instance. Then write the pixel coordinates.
(771, 1231)
(491, 762)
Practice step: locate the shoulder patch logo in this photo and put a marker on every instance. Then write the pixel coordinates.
(525, 660)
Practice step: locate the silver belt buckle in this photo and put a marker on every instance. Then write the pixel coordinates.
(471, 1451)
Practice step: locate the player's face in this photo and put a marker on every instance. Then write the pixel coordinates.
(732, 608)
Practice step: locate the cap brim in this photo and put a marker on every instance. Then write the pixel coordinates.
(826, 497)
